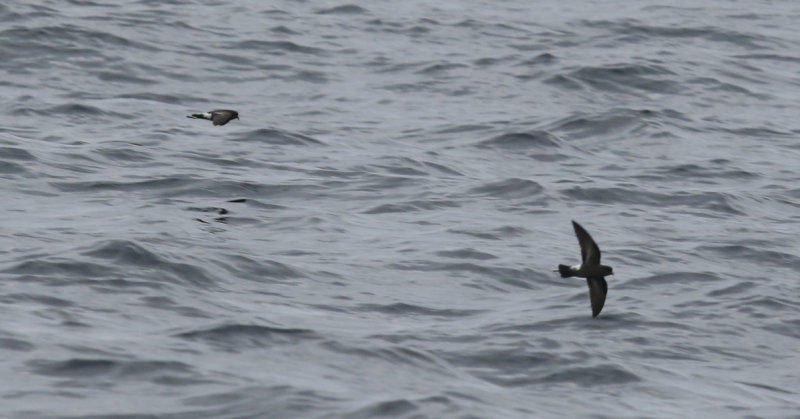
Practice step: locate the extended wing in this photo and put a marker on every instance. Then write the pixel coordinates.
(590, 253)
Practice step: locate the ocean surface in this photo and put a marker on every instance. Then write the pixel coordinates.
(376, 236)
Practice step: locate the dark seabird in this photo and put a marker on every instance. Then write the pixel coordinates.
(218, 117)
(590, 268)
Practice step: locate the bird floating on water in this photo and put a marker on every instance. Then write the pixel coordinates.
(589, 268)
(218, 117)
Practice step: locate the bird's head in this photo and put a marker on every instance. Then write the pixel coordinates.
(607, 270)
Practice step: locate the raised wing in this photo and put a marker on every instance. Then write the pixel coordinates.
(590, 253)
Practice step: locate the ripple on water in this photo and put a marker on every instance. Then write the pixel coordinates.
(240, 337)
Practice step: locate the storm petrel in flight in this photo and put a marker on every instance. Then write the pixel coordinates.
(218, 117)
(590, 268)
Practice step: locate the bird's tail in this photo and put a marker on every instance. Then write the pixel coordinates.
(565, 271)
(195, 116)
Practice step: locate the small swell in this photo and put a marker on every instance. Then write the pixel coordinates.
(234, 337)
(92, 368)
(522, 140)
(621, 78)
(345, 9)
(279, 137)
(712, 201)
(509, 189)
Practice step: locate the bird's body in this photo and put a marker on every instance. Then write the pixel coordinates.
(590, 268)
(217, 117)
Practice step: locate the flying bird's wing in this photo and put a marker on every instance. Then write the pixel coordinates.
(220, 117)
(590, 253)
(597, 293)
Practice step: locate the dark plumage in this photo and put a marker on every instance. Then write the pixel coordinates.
(218, 117)
(590, 268)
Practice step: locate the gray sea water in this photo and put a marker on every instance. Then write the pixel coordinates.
(376, 236)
